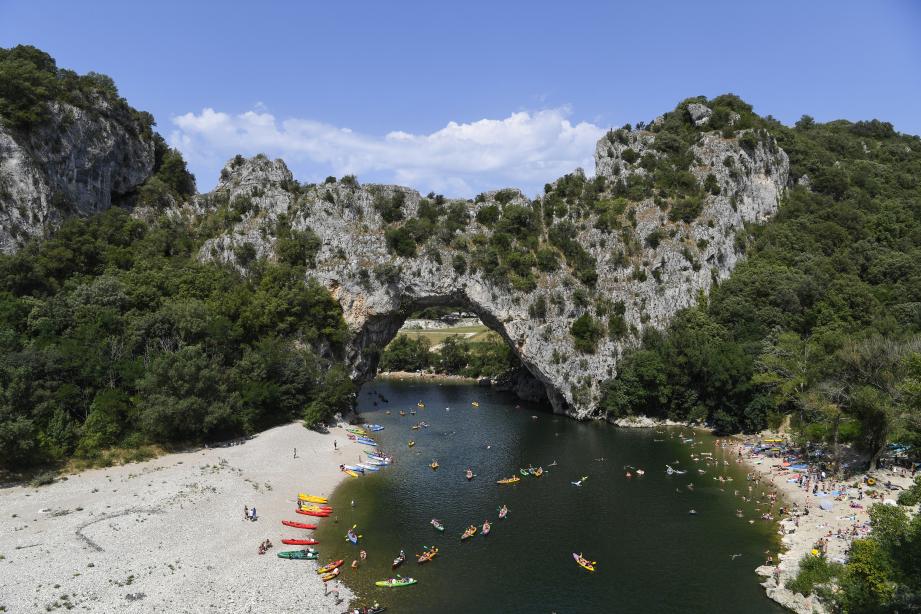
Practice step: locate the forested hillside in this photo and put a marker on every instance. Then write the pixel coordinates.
(112, 334)
(821, 321)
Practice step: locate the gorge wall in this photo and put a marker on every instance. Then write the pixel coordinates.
(570, 280)
(75, 162)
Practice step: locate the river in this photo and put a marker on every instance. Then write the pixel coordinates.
(652, 554)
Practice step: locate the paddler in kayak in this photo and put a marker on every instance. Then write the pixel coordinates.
(503, 512)
(486, 527)
(469, 474)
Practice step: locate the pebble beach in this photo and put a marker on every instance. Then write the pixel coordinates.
(168, 535)
(846, 520)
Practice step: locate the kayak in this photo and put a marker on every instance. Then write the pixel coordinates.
(420, 404)
(510, 480)
(486, 528)
(398, 561)
(583, 562)
(395, 582)
(524, 472)
(298, 525)
(369, 467)
(357, 430)
(374, 427)
(316, 508)
(425, 557)
(539, 472)
(330, 566)
(470, 532)
(330, 575)
(300, 555)
(411, 443)
(354, 474)
(469, 475)
(437, 524)
(367, 442)
(503, 512)
(352, 537)
(354, 468)
(299, 542)
(312, 498)
(434, 465)
(475, 404)
(313, 513)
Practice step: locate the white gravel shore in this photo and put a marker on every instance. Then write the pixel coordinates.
(800, 533)
(168, 535)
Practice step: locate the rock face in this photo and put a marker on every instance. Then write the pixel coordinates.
(377, 289)
(75, 163)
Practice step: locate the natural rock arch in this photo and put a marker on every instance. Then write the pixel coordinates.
(643, 272)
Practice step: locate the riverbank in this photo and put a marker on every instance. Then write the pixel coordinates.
(168, 534)
(802, 531)
(422, 376)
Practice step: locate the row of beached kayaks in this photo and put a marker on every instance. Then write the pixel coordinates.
(310, 505)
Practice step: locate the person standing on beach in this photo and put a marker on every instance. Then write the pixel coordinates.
(334, 445)
(295, 452)
(245, 512)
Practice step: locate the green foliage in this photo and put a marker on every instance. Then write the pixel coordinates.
(814, 571)
(456, 356)
(30, 80)
(586, 333)
(406, 353)
(391, 209)
(297, 247)
(114, 334)
(401, 241)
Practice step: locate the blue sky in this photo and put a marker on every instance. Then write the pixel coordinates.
(471, 95)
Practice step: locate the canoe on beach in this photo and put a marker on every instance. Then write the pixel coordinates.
(313, 513)
(298, 525)
(299, 555)
(300, 542)
(312, 498)
(330, 566)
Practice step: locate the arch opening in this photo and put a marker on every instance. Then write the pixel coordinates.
(440, 316)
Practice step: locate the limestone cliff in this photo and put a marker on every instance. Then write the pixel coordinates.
(653, 261)
(75, 162)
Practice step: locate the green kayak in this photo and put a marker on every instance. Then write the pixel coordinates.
(302, 555)
(395, 582)
(524, 472)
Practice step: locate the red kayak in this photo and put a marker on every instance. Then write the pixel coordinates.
(298, 525)
(313, 513)
(300, 542)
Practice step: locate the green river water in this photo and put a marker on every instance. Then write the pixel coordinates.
(653, 556)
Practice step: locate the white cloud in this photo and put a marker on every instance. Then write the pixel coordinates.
(525, 149)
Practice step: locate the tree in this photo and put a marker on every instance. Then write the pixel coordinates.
(785, 368)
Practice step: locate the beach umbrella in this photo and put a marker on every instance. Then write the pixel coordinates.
(826, 505)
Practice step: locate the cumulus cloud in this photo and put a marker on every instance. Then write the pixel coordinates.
(525, 149)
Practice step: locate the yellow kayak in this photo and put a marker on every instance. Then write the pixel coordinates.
(510, 480)
(354, 474)
(411, 443)
(583, 562)
(312, 498)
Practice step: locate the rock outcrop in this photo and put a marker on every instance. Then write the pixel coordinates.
(650, 267)
(74, 163)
